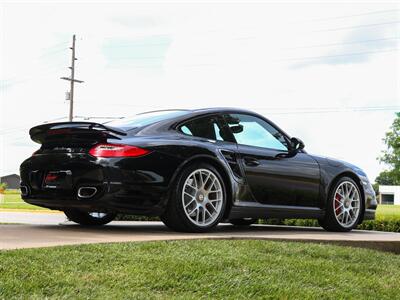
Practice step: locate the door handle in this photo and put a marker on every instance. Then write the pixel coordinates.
(252, 162)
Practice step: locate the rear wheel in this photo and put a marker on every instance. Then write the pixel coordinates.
(243, 222)
(344, 206)
(198, 202)
(89, 218)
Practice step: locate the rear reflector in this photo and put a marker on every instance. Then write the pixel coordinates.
(116, 150)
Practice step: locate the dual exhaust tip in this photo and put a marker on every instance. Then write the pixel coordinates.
(84, 192)
(24, 190)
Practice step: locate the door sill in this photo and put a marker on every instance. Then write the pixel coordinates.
(257, 210)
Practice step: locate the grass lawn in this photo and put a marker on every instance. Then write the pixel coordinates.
(388, 212)
(12, 200)
(199, 270)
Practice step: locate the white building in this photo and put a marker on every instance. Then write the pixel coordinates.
(389, 194)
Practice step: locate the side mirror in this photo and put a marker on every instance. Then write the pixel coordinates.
(297, 144)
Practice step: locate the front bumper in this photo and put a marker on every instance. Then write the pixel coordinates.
(370, 200)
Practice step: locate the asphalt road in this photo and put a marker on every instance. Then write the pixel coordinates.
(52, 229)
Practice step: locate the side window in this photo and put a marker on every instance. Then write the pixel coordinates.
(253, 131)
(205, 127)
(186, 130)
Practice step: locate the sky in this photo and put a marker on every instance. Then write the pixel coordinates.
(326, 73)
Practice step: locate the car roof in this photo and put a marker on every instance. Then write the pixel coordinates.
(192, 113)
(204, 110)
(166, 124)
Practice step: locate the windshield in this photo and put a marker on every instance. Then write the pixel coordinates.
(145, 119)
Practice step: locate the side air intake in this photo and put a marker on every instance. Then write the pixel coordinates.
(232, 160)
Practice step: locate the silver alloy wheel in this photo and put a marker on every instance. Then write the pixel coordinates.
(346, 204)
(97, 215)
(202, 197)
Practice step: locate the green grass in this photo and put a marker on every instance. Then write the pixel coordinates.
(199, 270)
(388, 212)
(12, 200)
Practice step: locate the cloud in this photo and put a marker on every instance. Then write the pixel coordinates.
(147, 51)
(8, 83)
(139, 22)
(209, 55)
(356, 45)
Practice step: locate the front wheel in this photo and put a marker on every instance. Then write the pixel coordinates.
(198, 202)
(89, 218)
(344, 206)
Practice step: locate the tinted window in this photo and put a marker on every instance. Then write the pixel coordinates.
(253, 131)
(205, 127)
(146, 119)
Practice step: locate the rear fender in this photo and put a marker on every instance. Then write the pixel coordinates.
(219, 164)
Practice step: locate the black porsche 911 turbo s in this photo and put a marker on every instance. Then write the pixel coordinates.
(193, 169)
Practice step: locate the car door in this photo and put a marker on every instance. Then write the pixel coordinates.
(274, 176)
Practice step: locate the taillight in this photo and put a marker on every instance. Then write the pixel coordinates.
(116, 150)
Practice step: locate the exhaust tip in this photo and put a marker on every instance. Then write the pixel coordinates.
(86, 192)
(24, 190)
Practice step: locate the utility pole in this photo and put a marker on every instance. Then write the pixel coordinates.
(72, 80)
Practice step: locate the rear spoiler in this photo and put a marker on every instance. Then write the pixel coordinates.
(39, 133)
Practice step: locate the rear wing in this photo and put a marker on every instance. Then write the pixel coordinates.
(39, 133)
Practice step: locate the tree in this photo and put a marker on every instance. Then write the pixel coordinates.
(391, 156)
(3, 186)
(386, 178)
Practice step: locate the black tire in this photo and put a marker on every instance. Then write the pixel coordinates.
(329, 222)
(243, 222)
(175, 217)
(84, 218)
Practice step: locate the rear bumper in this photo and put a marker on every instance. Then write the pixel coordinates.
(108, 202)
(124, 185)
(111, 197)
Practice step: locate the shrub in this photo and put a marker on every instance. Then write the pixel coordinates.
(391, 225)
(3, 187)
(135, 218)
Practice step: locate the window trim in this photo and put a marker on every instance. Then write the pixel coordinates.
(220, 121)
(286, 137)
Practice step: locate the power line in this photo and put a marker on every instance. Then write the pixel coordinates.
(58, 45)
(353, 15)
(52, 53)
(360, 109)
(338, 55)
(357, 26)
(272, 111)
(293, 59)
(11, 81)
(344, 43)
(284, 109)
(133, 44)
(98, 117)
(138, 58)
(326, 30)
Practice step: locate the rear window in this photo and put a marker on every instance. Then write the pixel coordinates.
(145, 119)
